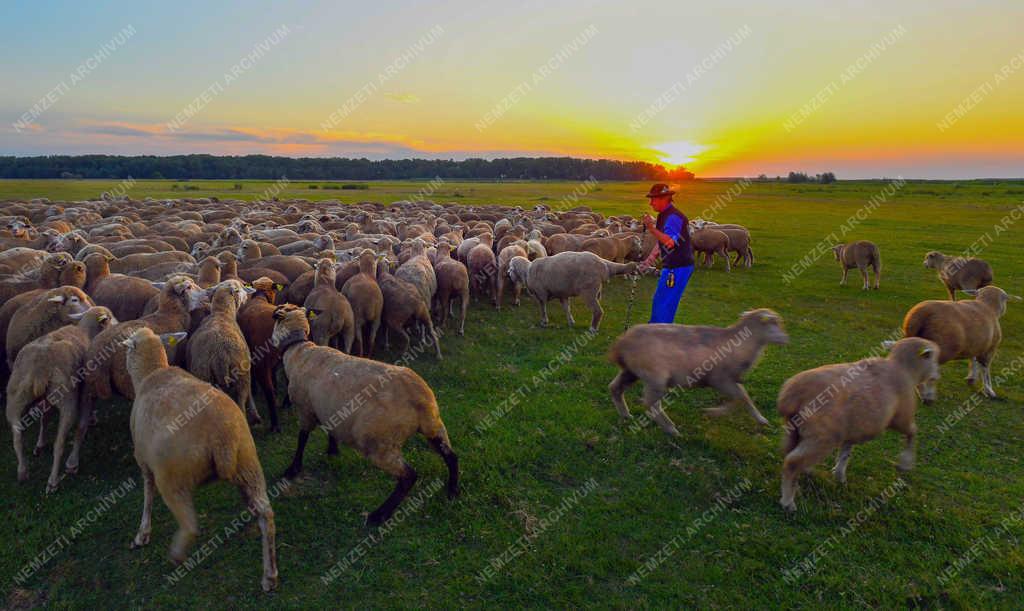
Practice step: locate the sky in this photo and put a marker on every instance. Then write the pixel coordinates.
(919, 89)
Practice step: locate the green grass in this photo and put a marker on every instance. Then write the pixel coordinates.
(564, 432)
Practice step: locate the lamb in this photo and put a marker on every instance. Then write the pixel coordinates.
(217, 352)
(367, 301)
(687, 356)
(403, 304)
(711, 242)
(963, 330)
(255, 319)
(394, 403)
(48, 311)
(849, 403)
(483, 269)
(516, 249)
(452, 282)
(46, 373)
(332, 321)
(862, 255)
(959, 273)
(567, 275)
(126, 296)
(178, 447)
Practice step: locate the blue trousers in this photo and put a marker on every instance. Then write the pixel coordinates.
(666, 298)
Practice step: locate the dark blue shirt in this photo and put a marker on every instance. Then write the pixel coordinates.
(675, 225)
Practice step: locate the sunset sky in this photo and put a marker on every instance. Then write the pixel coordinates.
(865, 88)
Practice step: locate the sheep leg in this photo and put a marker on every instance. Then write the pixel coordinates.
(391, 461)
(433, 333)
(266, 382)
(19, 449)
(543, 311)
(725, 255)
(462, 315)
(800, 459)
(68, 414)
(145, 525)
(842, 282)
(296, 467)
(567, 306)
(864, 276)
(972, 372)
(374, 327)
(878, 274)
(720, 410)
(180, 504)
(907, 456)
(736, 392)
(594, 303)
(256, 501)
(499, 291)
(349, 336)
(44, 410)
(332, 446)
(618, 387)
(85, 418)
(451, 460)
(652, 400)
(986, 378)
(844, 457)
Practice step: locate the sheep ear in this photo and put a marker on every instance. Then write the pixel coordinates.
(1015, 298)
(279, 313)
(925, 352)
(248, 289)
(173, 339)
(102, 318)
(159, 285)
(888, 344)
(971, 292)
(56, 299)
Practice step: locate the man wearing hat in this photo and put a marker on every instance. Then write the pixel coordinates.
(672, 231)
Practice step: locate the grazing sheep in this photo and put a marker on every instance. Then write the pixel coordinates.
(46, 373)
(686, 356)
(217, 353)
(567, 275)
(452, 283)
(332, 320)
(393, 404)
(367, 301)
(862, 255)
(178, 447)
(711, 242)
(48, 311)
(256, 321)
(126, 296)
(838, 406)
(959, 273)
(963, 330)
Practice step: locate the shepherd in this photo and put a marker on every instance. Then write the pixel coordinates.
(672, 232)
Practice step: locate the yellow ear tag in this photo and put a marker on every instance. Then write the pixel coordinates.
(766, 317)
(172, 340)
(278, 287)
(312, 315)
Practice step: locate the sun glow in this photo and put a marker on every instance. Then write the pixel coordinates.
(678, 153)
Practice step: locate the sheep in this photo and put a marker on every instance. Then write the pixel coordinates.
(567, 275)
(178, 297)
(688, 356)
(217, 352)
(208, 273)
(849, 403)
(126, 296)
(333, 323)
(46, 373)
(394, 403)
(963, 330)
(48, 311)
(516, 249)
(452, 282)
(564, 242)
(618, 249)
(483, 268)
(419, 272)
(46, 276)
(255, 320)
(403, 304)
(178, 447)
(739, 243)
(959, 273)
(367, 301)
(134, 263)
(862, 255)
(711, 242)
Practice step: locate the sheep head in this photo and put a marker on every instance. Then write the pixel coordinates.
(765, 325)
(95, 320)
(291, 325)
(994, 297)
(934, 260)
(67, 303)
(920, 359)
(144, 351)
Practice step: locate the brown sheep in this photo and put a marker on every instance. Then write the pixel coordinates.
(452, 283)
(48, 311)
(134, 263)
(516, 249)
(179, 296)
(46, 276)
(393, 404)
(126, 296)
(403, 304)
(860, 255)
(483, 269)
(959, 273)
(47, 373)
(217, 353)
(838, 406)
(419, 272)
(963, 330)
(564, 242)
(332, 321)
(618, 249)
(179, 446)
(686, 356)
(367, 301)
(567, 275)
(255, 319)
(711, 242)
(739, 243)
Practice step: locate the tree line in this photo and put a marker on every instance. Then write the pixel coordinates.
(185, 167)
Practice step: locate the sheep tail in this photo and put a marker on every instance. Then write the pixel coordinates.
(792, 437)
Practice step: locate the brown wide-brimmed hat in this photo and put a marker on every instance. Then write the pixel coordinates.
(660, 190)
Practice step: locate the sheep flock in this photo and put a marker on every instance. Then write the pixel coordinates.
(204, 312)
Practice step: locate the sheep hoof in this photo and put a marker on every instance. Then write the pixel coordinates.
(375, 518)
(991, 394)
(269, 583)
(140, 540)
(790, 507)
(905, 463)
(673, 432)
(840, 476)
(970, 381)
(22, 475)
(291, 472)
(51, 487)
(36, 451)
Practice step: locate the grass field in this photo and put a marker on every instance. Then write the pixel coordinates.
(565, 503)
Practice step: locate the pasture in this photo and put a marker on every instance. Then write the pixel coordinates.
(563, 504)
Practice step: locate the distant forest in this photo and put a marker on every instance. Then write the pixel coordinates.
(179, 167)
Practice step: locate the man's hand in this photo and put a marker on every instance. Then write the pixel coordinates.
(647, 264)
